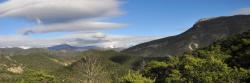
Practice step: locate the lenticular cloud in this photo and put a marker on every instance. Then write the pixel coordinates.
(51, 13)
(52, 10)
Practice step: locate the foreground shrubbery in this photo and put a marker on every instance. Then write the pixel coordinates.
(194, 69)
(135, 77)
(32, 76)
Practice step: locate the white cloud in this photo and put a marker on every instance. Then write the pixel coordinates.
(126, 41)
(243, 11)
(54, 10)
(83, 17)
(63, 15)
(71, 27)
(77, 39)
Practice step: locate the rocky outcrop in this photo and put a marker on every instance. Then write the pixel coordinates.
(16, 69)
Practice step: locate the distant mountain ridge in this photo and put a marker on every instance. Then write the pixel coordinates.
(67, 47)
(72, 48)
(202, 34)
(61, 47)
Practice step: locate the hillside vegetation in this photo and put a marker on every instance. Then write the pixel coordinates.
(43, 66)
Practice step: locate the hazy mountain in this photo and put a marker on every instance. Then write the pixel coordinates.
(78, 48)
(72, 48)
(202, 34)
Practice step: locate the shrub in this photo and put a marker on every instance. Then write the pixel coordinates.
(135, 77)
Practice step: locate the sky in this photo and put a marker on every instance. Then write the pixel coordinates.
(106, 23)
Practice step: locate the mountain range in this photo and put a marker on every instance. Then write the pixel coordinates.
(67, 47)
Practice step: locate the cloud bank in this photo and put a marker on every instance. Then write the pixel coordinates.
(76, 39)
(71, 27)
(80, 17)
(62, 15)
(243, 11)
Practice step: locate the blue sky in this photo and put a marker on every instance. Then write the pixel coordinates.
(170, 17)
(154, 17)
(141, 17)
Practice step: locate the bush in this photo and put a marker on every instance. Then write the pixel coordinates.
(32, 76)
(135, 77)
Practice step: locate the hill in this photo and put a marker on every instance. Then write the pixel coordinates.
(46, 66)
(70, 48)
(225, 61)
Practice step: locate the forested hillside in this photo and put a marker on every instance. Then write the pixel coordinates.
(225, 61)
(44, 66)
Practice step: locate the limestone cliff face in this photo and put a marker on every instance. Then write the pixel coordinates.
(202, 34)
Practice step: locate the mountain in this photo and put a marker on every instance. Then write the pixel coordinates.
(202, 34)
(229, 54)
(84, 48)
(72, 48)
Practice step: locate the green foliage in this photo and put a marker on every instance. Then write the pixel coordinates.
(159, 70)
(208, 70)
(42, 66)
(32, 76)
(122, 59)
(238, 47)
(225, 61)
(195, 69)
(156, 64)
(93, 66)
(134, 77)
(175, 76)
(38, 61)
